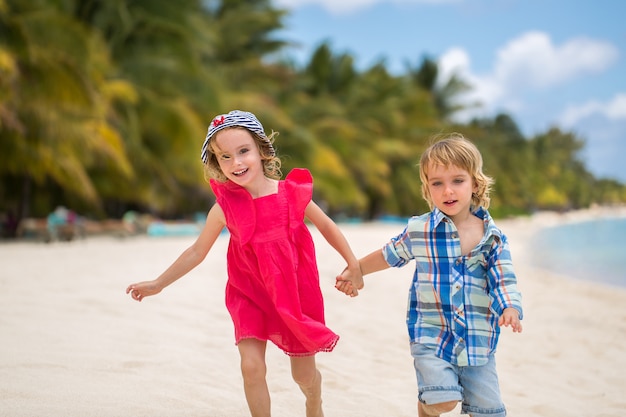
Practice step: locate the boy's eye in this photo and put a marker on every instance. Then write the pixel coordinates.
(459, 180)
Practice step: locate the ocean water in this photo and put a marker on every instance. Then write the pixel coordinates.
(593, 250)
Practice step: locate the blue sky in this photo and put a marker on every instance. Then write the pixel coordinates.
(544, 62)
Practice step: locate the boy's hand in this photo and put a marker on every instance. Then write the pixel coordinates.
(510, 317)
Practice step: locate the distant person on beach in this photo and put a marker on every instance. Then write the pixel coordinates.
(464, 287)
(273, 290)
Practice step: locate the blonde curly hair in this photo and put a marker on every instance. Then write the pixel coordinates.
(454, 149)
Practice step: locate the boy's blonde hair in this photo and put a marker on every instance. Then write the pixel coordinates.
(271, 162)
(454, 149)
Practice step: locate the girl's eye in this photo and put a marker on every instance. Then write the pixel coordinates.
(243, 150)
(224, 157)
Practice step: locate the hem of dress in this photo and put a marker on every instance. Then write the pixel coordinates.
(327, 348)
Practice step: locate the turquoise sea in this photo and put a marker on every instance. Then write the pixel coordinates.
(592, 250)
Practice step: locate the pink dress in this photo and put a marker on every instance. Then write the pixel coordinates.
(273, 290)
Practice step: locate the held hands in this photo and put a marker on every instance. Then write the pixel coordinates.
(510, 317)
(350, 281)
(143, 289)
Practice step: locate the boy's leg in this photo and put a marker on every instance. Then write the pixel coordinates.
(435, 410)
(437, 380)
(481, 390)
(253, 370)
(309, 379)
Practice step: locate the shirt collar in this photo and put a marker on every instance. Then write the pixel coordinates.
(437, 216)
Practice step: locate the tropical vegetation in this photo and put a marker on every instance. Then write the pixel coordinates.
(104, 105)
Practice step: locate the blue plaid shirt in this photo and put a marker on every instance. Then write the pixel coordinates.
(455, 301)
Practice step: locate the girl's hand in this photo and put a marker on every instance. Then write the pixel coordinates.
(350, 282)
(346, 287)
(510, 317)
(143, 289)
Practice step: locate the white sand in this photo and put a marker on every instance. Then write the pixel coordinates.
(72, 343)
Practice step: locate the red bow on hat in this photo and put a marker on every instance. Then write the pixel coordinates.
(217, 122)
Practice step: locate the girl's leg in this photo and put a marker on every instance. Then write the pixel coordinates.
(253, 370)
(309, 379)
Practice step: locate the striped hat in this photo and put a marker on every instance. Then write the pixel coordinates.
(234, 118)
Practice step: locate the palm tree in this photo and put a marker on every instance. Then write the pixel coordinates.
(444, 92)
(54, 103)
(244, 42)
(160, 48)
(565, 183)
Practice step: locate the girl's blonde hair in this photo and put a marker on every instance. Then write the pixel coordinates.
(271, 162)
(454, 149)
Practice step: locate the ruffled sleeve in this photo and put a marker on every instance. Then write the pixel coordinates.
(217, 187)
(299, 187)
(238, 207)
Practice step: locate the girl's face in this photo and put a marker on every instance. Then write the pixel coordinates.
(450, 189)
(238, 156)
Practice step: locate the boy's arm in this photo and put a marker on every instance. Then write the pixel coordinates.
(373, 262)
(503, 280)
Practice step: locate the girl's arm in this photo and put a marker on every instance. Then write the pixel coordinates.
(188, 260)
(329, 229)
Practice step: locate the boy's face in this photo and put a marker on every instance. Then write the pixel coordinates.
(450, 189)
(238, 156)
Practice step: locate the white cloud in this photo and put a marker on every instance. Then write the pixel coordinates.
(485, 90)
(332, 6)
(530, 62)
(615, 109)
(338, 7)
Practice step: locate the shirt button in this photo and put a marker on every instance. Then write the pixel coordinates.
(454, 236)
(457, 286)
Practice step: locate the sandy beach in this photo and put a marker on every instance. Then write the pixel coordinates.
(73, 344)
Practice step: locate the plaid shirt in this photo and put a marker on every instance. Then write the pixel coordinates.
(455, 300)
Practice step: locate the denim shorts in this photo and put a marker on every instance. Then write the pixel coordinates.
(439, 381)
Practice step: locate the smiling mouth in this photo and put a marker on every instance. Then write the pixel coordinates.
(239, 173)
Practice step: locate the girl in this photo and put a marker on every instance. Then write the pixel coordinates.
(464, 287)
(273, 288)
